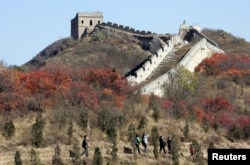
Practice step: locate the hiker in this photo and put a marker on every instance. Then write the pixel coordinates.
(85, 146)
(162, 145)
(191, 150)
(169, 142)
(137, 143)
(145, 141)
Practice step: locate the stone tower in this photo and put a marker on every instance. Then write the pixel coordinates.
(84, 23)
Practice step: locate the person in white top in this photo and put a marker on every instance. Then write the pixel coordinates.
(145, 141)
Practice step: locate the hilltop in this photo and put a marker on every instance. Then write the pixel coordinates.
(77, 87)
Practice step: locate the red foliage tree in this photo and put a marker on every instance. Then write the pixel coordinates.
(209, 65)
(80, 93)
(225, 64)
(109, 84)
(217, 104)
(11, 91)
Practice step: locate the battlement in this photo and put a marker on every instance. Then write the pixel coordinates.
(125, 28)
(91, 14)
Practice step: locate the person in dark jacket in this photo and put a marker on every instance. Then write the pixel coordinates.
(169, 142)
(85, 146)
(162, 145)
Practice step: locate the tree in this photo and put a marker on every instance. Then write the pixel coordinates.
(11, 91)
(84, 118)
(97, 159)
(57, 160)
(8, 129)
(70, 131)
(37, 131)
(34, 158)
(114, 151)
(18, 160)
(76, 158)
(175, 150)
(181, 83)
(186, 130)
(154, 105)
(143, 122)
(131, 135)
(155, 140)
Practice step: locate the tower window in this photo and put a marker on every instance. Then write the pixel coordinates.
(90, 23)
(98, 22)
(82, 21)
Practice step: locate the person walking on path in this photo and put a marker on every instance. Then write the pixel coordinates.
(137, 143)
(169, 142)
(191, 150)
(85, 146)
(162, 145)
(145, 142)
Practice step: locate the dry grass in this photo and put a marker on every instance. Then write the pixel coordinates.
(167, 127)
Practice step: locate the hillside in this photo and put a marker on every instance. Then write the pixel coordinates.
(73, 88)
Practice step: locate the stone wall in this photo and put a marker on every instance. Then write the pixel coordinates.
(142, 73)
(125, 28)
(194, 56)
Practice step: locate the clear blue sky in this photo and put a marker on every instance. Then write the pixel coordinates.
(28, 26)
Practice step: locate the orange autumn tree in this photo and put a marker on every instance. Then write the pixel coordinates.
(11, 91)
(216, 112)
(220, 64)
(109, 83)
(43, 85)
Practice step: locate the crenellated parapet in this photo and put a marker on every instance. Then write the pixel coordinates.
(125, 28)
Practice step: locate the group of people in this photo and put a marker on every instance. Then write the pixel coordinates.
(163, 144)
(144, 140)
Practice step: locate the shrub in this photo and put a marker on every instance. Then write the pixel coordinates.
(175, 150)
(97, 159)
(186, 131)
(109, 121)
(18, 160)
(84, 119)
(143, 122)
(37, 131)
(235, 132)
(8, 129)
(70, 131)
(114, 151)
(57, 160)
(76, 159)
(34, 158)
(131, 135)
(154, 138)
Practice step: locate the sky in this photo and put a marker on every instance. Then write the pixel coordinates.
(29, 26)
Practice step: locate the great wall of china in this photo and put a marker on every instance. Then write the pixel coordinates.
(170, 44)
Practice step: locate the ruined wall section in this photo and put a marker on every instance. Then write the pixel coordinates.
(194, 56)
(153, 62)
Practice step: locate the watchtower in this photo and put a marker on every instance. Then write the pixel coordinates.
(84, 23)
